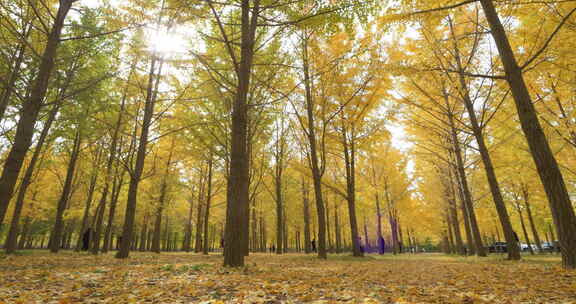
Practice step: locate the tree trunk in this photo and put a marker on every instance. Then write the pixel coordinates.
(314, 162)
(199, 215)
(136, 174)
(524, 230)
(349, 161)
(64, 197)
(306, 215)
(27, 180)
(465, 191)
(454, 215)
(162, 201)
(30, 110)
(338, 232)
(144, 233)
(109, 168)
(87, 206)
(116, 189)
(237, 196)
(548, 170)
(450, 235)
(278, 170)
(25, 232)
(188, 233)
(206, 247)
(531, 219)
(285, 232)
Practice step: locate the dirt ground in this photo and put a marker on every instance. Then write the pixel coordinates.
(40, 277)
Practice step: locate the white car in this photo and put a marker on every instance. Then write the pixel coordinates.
(524, 247)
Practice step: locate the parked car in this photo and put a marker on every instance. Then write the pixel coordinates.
(525, 247)
(551, 246)
(498, 247)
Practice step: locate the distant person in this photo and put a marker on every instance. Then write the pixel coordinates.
(86, 239)
(381, 245)
(360, 245)
(313, 243)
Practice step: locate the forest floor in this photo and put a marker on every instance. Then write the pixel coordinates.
(39, 277)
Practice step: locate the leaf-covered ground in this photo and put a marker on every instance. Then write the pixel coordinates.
(38, 277)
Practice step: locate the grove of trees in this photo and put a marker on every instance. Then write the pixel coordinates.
(241, 125)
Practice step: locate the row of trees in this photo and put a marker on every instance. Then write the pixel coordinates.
(273, 125)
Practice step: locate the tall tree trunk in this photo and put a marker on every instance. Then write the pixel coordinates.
(254, 239)
(10, 245)
(454, 214)
(524, 230)
(136, 174)
(306, 215)
(314, 162)
(65, 195)
(144, 233)
(264, 243)
(161, 201)
(329, 242)
(237, 196)
(512, 245)
(25, 232)
(87, 206)
(278, 172)
(548, 170)
(30, 110)
(530, 218)
(451, 245)
(465, 191)
(285, 232)
(206, 247)
(338, 232)
(109, 169)
(199, 216)
(349, 161)
(188, 232)
(116, 189)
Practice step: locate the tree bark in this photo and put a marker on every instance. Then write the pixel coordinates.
(87, 206)
(188, 232)
(206, 247)
(136, 174)
(199, 215)
(278, 174)
(465, 191)
(27, 180)
(30, 110)
(524, 230)
(451, 196)
(548, 170)
(349, 162)
(512, 245)
(306, 216)
(313, 155)
(161, 202)
(116, 189)
(65, 195)
(338, 232)
(237, 198)
(530, 218)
